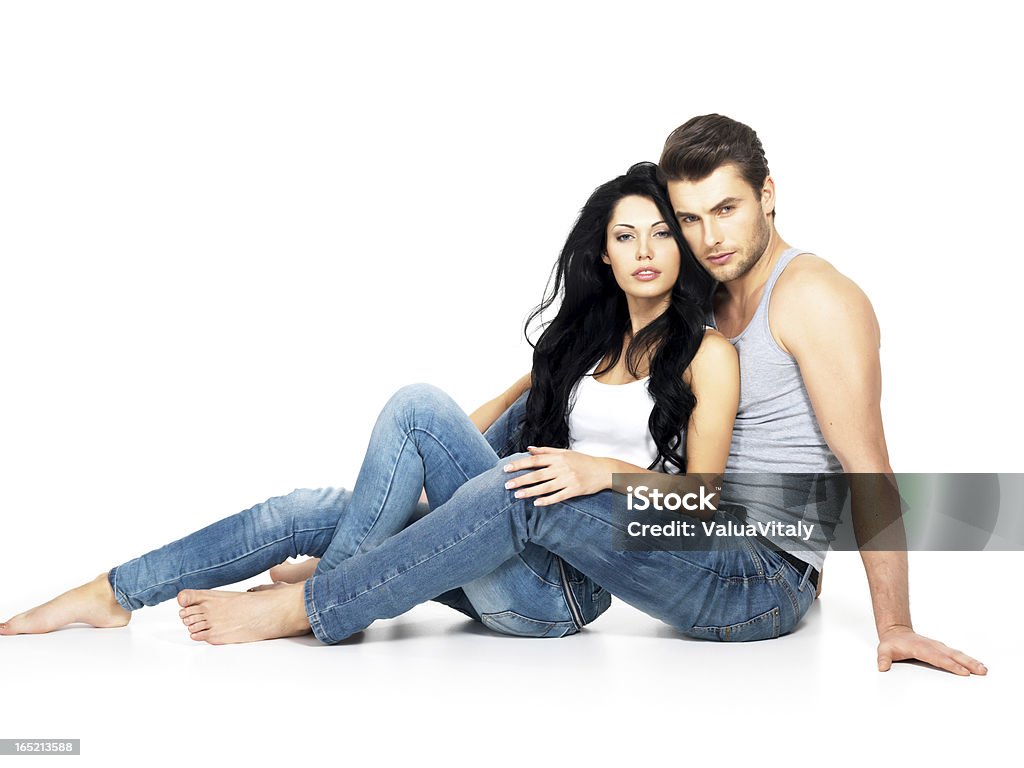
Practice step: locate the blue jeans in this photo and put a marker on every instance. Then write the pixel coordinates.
(420, 441)
(727, 588)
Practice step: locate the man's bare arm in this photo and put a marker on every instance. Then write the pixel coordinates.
(827, 323)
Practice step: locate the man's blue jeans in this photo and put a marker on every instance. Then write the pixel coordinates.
(730, 588)
(421, 440)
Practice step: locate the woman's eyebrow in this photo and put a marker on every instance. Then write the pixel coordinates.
(630, 226)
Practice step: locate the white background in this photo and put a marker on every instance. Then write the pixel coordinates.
(229, 231)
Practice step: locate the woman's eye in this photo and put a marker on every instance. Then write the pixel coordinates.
(624, 237)
(663, 233)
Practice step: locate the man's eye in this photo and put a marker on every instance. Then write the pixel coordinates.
(687, 219)
(725, 209)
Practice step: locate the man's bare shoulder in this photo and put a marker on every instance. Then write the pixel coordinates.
(810, 279)
(812, 293)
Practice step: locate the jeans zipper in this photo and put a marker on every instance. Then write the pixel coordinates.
(570, 597)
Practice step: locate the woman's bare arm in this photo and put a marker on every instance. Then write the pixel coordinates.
(488, 413)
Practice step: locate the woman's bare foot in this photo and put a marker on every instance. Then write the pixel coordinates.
(92, 603)
(265, 587)
(243, 617)
(293, 573)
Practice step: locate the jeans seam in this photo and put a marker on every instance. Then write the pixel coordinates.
(122, 599)
(394, 472)
(227, 562)
(315, 623)
(781, 579)
(461, 539)
(676, 555)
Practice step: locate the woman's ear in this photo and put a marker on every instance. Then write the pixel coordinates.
(604, 257)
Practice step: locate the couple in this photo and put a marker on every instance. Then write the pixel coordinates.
(626, 378)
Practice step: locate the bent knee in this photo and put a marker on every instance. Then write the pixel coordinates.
(426, 398)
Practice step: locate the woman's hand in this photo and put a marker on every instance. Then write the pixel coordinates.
(562, 473)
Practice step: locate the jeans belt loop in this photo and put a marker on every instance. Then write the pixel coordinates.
(807, 577)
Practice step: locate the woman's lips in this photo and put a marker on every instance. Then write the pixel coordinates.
(721, 258)
(646, 274)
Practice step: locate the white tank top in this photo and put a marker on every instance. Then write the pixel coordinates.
(611, 420)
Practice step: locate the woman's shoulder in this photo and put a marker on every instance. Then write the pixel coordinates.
(715, 357)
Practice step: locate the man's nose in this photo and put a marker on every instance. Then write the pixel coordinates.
(712, 236)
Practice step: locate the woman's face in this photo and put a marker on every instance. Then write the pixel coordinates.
(639, 246)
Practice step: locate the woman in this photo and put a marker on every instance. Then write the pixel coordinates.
(632, 310)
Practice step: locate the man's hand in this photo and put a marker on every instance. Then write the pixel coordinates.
(562, 473)
(900, 643)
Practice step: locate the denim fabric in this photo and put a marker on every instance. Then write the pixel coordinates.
(726, 588)
(420, 439)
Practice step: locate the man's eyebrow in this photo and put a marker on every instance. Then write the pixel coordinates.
(720, 204)
(725, 202)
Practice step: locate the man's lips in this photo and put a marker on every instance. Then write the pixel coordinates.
(720, 258)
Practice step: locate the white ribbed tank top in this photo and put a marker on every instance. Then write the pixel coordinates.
(611, 420)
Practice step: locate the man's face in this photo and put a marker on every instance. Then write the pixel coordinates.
(724, 222)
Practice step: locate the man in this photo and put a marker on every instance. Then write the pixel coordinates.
(814, 345)
(820, 339)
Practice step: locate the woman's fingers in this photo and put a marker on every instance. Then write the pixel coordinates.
(530, 478)
(527, 463)
(539, 490)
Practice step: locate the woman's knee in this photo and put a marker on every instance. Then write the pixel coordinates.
(414, 404)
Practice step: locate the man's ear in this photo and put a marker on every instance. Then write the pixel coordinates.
(768, 196)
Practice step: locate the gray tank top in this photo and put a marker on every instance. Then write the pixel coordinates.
(778, 455)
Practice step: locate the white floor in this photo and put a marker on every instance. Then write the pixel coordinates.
(433, 687)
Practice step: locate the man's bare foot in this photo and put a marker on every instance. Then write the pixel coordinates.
(293, 573)
(243, 617)
(92, 603)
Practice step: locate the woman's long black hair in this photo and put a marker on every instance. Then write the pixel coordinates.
(593, 320)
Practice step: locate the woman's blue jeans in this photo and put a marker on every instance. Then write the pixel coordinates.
(422, 439)
(724, 588)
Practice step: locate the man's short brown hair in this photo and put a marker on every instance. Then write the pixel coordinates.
(702, 144)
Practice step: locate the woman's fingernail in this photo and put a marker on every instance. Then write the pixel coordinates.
(508, 467)
(508, 485)
(518, 494)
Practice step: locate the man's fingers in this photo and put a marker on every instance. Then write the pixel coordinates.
(971, 663)
(942, 658)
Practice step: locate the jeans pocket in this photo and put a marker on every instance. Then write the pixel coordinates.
(512, 623)
(763, 627)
